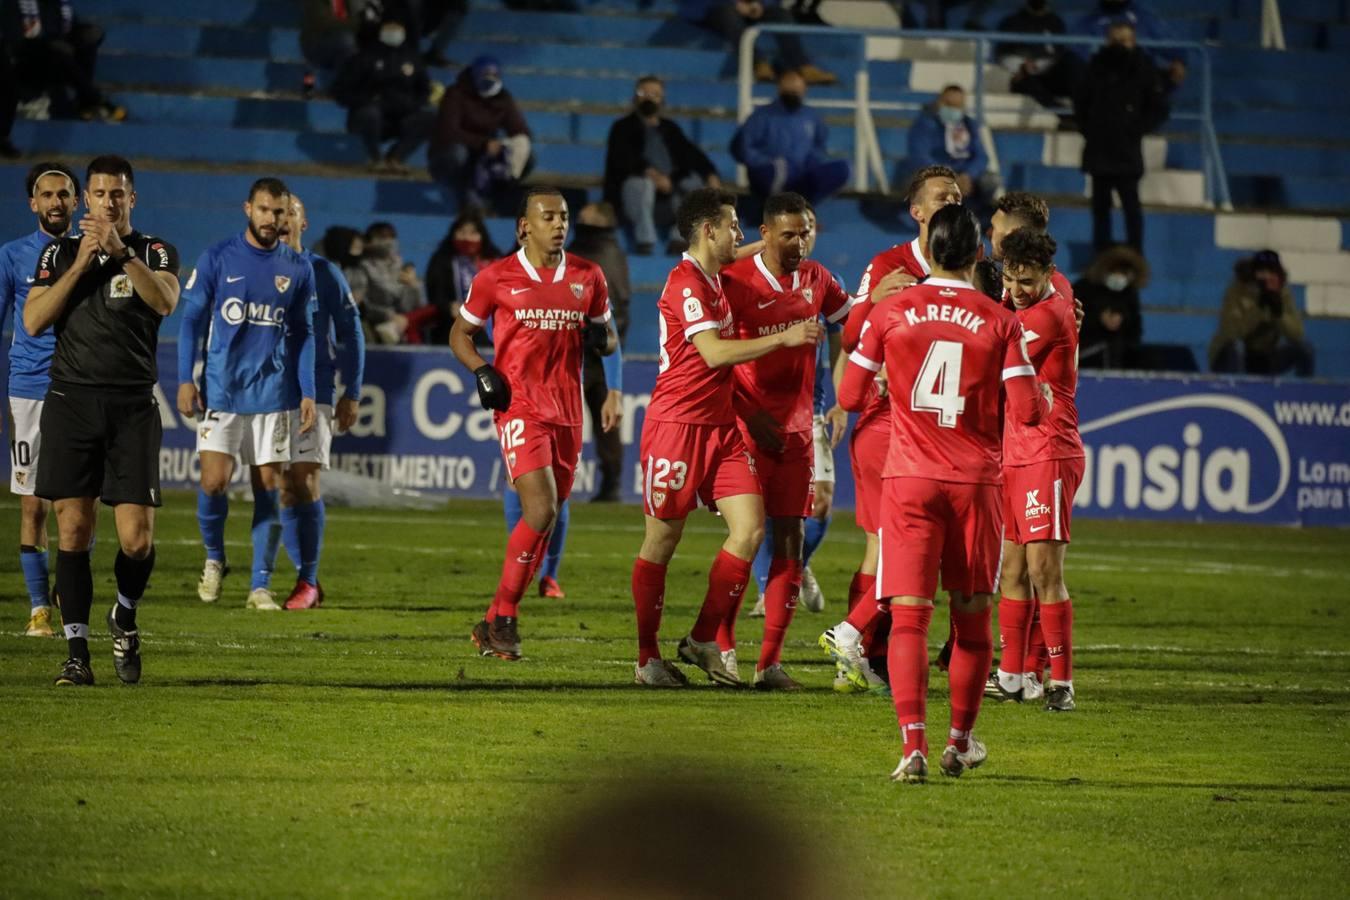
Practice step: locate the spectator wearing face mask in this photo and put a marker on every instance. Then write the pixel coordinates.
(1112, 322)
(344, 246)
(466, 250)
(650, 165)
(1260, 330)
(1043, 72)
(1146, 24)
(783, 146)
(395, 290)
(945, 136)
(481, 145)
(386, 92)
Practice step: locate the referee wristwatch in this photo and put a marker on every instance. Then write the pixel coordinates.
(126, 256)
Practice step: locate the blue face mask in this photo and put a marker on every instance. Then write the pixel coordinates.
(950, 115)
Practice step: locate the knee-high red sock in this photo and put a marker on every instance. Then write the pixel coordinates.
(865, 612)
(780, 602)
(907, 662)
(1036, 656)
(1057, 623)
(877, 642)
(726, 585)
(971, 654)
(649, 594)
(524, 551)
(862, 587)
(1014, 628)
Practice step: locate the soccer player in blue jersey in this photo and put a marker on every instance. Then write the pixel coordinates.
(250, 311)
(339, 347)
(53, 194)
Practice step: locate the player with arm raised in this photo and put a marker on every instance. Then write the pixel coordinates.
(692, 450)
(1042, 468)
(249, 309)
(53, 194)
(767, 294)
(949, 353)
(105, 294)
(545, 305)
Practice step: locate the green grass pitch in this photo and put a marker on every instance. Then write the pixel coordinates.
(366, 750)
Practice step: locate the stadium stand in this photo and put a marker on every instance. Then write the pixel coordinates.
(216, 97)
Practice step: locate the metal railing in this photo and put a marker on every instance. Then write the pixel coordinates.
(867, 157)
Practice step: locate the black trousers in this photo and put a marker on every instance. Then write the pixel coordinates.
(608, 445)
(1127, 188)
(375, 124)
(726, 21)
(62, 65)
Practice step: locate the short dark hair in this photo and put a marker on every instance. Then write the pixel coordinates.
(1026, 207)
(916, 183)
(953, 238)
(701, 206)
(538, 190)
(269, 185)
(951, 87)
(1028, 248)
(108, 164)
(987, 280)
(375, 228)
(48, 168)
(648, 79)
(785, 204)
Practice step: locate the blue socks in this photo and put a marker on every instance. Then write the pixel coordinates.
(211, 513)
(553, 557)
(33, 561)
(815, 533)
(266, 536)
(763, 558)
(302, 530)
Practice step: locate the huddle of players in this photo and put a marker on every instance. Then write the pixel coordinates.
(729, 426)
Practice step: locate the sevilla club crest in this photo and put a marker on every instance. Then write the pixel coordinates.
(658, 499)
(283, 282)
(577, 289)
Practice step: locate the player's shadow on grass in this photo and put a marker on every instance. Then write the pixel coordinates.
(453, 685)
(1236, 787)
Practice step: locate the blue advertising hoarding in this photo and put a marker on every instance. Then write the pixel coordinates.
(1159, 447)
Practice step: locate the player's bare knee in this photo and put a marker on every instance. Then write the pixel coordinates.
(138, 545)
(824, 500)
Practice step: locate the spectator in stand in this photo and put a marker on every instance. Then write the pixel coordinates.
(1146, 25)
(344, 247)
(394, 288)
(1043, 72)
(783, 146)
(441, 21)
(945, 136)
(1260, 330)
(1112, 323)
(481, 146)
(730, 18)
(596, 239)
(9, 97)
(936, 13)
(1119, 101)
(327, 33)
(55, 53)
(650, 165)
(386, 92)
(466, 250)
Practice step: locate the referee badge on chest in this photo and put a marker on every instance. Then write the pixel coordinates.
(120, 288)
(282, 283)
(577, 289)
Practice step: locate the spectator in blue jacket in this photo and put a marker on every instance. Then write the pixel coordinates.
(1147, 27)
(783, 146)
(730, 18)
(946, 136)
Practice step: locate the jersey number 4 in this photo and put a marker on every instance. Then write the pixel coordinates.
(938, 385)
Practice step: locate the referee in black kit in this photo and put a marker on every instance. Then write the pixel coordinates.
(106, 293)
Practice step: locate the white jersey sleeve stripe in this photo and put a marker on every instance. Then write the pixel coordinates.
(843, 311)
(471, 318)
(868, 364)
(695, 329)
(601, 320)
(1018, 371)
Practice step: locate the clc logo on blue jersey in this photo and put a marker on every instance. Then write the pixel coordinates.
(235, 312)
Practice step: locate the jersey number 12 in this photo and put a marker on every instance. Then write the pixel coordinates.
(937, 387)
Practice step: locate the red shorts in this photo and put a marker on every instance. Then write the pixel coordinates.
(787, 478)
(949, 526)
(867, 451)
(1038, 500)
(528, 445)
(683, 464)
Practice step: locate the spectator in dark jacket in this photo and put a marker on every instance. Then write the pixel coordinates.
(1260, 330)
(730, 18)
(327, 33)
(1146, 24)
(55, 53)
(466, 250)
(783, 146)
(9, 97)
(1119, 101)
(597, 240)
(481, 145)
(386, 91)
(650, 165)
(945, 135)
(1043, 72)
(1112, 322)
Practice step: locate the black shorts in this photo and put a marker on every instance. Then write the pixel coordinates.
(100, 444)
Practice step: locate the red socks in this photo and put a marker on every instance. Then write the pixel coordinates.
(1014, 627)
(971, 654)
(726, 586)
(524, 552)
(649, 594)
(908, 665)
(863, 614)
(1057, 622)
(780, 601)
(862, 587)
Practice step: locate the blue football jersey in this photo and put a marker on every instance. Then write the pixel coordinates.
(30, 358)
(253, 310)
(339, 343)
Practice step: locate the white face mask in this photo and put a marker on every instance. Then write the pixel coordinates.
(951, 115)
(1117, 281)
(393, 35)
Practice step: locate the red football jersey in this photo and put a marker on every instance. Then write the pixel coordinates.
(1052, 343)
(687, 389)
(906, 258)
(783, 383)
(537, 320)
(1060, 282)
(947, 349)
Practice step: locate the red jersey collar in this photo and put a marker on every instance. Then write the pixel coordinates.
(769, 276)
(917, 250)
(525, 264)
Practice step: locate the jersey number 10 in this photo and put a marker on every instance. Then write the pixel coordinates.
(938, 385)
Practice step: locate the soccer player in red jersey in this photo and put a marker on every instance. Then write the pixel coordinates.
(767, 294)
(862, 635)
(949, 353)
(1042, 468)
(544, 305)
(691, 449)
